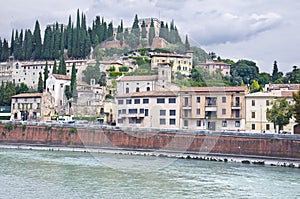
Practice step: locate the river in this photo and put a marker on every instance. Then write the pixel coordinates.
(66, 174)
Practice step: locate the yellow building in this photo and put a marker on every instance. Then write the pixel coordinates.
(180, 62)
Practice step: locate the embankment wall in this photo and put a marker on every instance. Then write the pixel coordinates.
(259, 145)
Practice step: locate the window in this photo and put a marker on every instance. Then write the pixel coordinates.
(224, 123)
(237, 124)
(198, 99)
(137, 89)
(148, 88)
(172, 100)
(199, 122)
(53, 87)
(186, 113)
(145, 101)
(127, 90)
(146, 112)
(267, 126)
(185, 123)
(267, 103)
(128, 101)
(186, 101)
(160, 100)
(138, 121)
(137, 101)
(198, 111)
(120, 101)
(172, 121)
(162, 112)
(123, 111)
(119, 112)
(224, 111)
(162, 121)
(252, 114)
(253, 126)
(253, 102)
(172, 112)
(132, 111)
(120, 121)
(142, 111)
(223, 99)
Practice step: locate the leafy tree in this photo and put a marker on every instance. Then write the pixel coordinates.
(296, 107)
(280, 113)
(264, 78)
(22, 88)
(293, 77)
(40, 83)
(254, 87)
(46, 74)
(91, 72)
(245, 69)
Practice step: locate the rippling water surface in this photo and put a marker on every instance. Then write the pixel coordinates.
(57, 174)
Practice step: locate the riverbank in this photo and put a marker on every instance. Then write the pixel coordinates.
(258, 160)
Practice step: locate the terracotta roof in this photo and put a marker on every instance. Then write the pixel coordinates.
(150, 94)
(63, 77)
(287, 93)
(289, 86)
(216, 89)
(170, 55)
(138, 78)
(28, 95)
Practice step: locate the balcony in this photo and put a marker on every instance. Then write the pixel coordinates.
(236, 106)
(211, 108)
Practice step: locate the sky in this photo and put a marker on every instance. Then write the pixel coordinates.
(259, 30)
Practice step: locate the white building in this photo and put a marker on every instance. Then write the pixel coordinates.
(56, 86)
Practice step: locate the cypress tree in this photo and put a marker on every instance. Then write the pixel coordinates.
(47, 53)
(177, 36)
(275, 72)
(40, 83)
(5, 50)
(12, 42)
(144, 31)
(151, 32)
(62, 69)
(73, 79)
(187, 44)
(46, 74)
(37, 47)
(54, 69)
(136, 29)
(28, 46)
(110, 32)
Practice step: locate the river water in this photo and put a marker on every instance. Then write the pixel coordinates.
(63, 174)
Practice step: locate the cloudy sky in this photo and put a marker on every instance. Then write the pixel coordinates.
(258, 30)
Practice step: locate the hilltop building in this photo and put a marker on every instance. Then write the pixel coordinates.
(180, 62)
(213, 66)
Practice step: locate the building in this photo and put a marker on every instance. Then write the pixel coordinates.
(212, 66)
(213, 108)
(32, 106)
(149, 109)
(257, 105)
(56, 85)
(180, 62)
(28, 71)
(161, 81)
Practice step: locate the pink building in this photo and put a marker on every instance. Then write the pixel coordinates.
(212, 66)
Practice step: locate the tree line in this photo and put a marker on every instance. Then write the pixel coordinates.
(76, 39)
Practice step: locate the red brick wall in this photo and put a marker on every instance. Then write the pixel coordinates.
(179, 142)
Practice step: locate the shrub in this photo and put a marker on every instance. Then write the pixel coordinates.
(8, 127)
(3, 134)
(73, 130)
(48, 128)
(23, 127)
